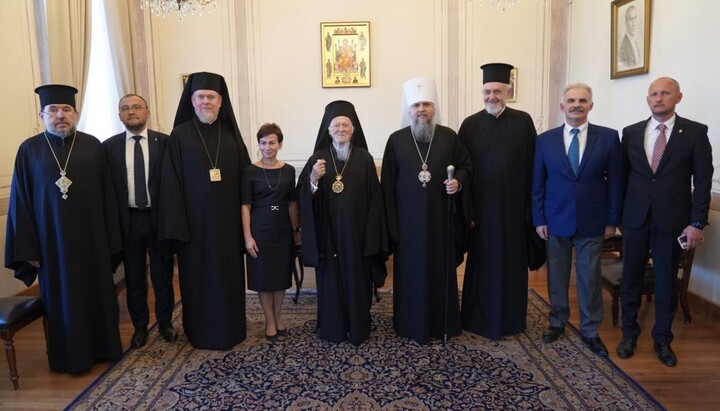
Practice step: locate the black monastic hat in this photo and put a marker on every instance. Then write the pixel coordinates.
(496, 72)
(204, 81)
(335, 109)
(56, 94)
(210, 81)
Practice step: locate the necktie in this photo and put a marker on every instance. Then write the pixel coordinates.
(659, 148)
(574, 150)
(141, 200)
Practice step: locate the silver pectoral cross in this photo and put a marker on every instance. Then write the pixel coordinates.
(63, 183)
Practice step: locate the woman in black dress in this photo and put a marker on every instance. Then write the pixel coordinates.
(269, 215)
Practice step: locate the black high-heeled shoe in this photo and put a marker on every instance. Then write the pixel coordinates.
(272, 338)
(282, 333)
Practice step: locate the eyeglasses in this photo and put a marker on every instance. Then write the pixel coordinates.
(52, 110)
(338, 126)
(134, 107)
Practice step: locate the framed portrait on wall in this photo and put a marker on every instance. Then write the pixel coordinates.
(629, 38)
(513, 86)
(345, 54)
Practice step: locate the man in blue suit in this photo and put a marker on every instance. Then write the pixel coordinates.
(137, 191)
(669, 176)
(577, 193)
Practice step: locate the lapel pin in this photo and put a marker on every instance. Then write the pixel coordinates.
(680, 131)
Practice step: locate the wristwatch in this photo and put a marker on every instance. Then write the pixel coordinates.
(699, 224)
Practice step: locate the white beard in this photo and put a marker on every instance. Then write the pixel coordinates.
(494, 109)
(343, 153)
(207, 118)
(422, 131)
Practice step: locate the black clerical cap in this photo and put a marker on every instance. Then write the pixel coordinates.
(496, 73)
(56, 94)
(335, 109)
(207, 81)
(210, 81)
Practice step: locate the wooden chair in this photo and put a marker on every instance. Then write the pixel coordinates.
(16, 313)
(612, 276)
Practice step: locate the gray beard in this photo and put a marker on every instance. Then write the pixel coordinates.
(343, 153)
(208, 118)
(422, 131)
(62, 134)
(494, 110)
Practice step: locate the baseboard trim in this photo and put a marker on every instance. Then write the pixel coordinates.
(704, 309)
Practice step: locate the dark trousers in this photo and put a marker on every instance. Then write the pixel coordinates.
(141, 239)
(666, 257)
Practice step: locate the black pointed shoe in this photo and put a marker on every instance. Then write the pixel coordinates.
(626, 348)
(552, 334)
(139, 338)
(665, 354)
(168, 332)
(596, 345)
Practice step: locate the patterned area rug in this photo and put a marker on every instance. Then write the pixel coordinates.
(385, 373)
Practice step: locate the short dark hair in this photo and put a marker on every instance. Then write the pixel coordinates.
(270, 128)
(133, 95)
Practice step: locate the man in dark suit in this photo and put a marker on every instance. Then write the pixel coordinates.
(630, 55)
(577, 193)
(137, 197)
(669, 175)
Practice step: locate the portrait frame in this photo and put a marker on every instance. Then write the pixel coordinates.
(513, 85)
(345, 54)
(629, 38)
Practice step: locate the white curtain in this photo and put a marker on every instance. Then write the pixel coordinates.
(126, 33)
(64, 42)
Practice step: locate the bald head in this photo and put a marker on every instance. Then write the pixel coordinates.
(663, 95)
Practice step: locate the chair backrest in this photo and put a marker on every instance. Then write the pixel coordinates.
(686, 261)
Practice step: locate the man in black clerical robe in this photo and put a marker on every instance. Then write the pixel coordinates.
(502, 243)
(417, 192)
(67, 236)
(343, 225)
(200, 213)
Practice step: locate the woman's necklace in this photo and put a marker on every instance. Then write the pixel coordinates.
(424, 175)
(266, 177)
(215, 175)
(337, 185)
(63, 182)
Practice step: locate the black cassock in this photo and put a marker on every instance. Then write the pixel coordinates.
(496, 275)
(418, 230)
(350, 224)
(74, 240)
(201, 219)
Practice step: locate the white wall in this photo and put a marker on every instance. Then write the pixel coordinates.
(683, 46)
(409, 38)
